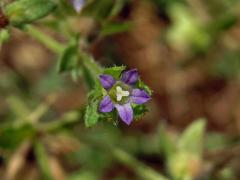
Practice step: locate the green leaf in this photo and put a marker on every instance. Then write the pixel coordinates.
(95, 94)
(167, 145)
(142, 85)
(83, 174)
(179, 163)
(89, 77)
(76, 73)
(110, 117)
(18, 107)
(100, 10)
(114, 71)
(117, 8)
(42, 159)
(114, 28)
(26, 11)
(191, 140)
(91, 70)
(69, 59)
(186, 32)
(91, 114)
(139, 110)
(228, 66)
(4, 36)
(215, 141)
(11, 137)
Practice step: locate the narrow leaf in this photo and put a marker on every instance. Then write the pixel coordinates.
(42, 159)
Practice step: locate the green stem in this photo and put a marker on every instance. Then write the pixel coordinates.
(43, 160)
(48, 41)
(92, 65)
(56, 47)
(69, 118)
(141, 169)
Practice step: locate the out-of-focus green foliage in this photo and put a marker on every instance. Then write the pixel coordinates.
(4, 36)
(69, 59)
(188, 151)
(27, 11)
(186, 31)
(194, 36)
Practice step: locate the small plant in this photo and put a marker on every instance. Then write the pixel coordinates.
(108, 88)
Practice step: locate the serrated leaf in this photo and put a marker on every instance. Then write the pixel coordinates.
(26, 11)
(115, 71)
(91, 114)
(192, 138)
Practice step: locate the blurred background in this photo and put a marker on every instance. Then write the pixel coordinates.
(187, 51)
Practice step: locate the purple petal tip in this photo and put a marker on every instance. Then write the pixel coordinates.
(78, 4)
(125, 112)
(106, 105)
(107, 81)
(139, 96)
(130, 77)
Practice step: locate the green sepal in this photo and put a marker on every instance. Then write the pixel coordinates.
(114, 71)
(139, 110)
(141, 85)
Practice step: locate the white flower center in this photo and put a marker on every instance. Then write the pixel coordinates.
(121, 93)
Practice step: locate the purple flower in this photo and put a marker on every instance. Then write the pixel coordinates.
(121, 94)
(78, 4)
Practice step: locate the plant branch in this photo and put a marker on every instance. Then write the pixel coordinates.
(48, 41)
(141, 169)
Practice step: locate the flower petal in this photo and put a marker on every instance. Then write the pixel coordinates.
(78, 4)
(130, 77)
(107, 81)
(106, 105)
(139, 96)
(125, 112)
